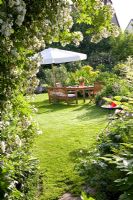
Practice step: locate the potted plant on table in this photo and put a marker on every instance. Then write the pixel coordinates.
(81, 81)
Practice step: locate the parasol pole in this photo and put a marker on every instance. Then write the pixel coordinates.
(54, 78)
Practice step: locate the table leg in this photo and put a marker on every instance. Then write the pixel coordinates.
(84, 95)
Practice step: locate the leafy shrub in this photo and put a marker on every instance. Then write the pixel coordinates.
(104, 76)
(119, 83)
(119, 69)
(109, 169)
(113, 87)
(86, 72)
(125, 71)
(84, 197)
(73, 66)
(101, 68)
(101, 57)
(18, 169)
(56, 74)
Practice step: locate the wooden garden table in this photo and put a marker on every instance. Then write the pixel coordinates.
(89, 88)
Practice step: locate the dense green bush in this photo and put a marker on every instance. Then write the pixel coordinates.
(55, 75)
(109, 169)
(101, 68)
(113, 87)
(85, 73)
(119, 69)
(119, 82)
(109, 51)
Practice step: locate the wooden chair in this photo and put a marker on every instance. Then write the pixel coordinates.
(57, 94)
(97, 88)
(58, 84)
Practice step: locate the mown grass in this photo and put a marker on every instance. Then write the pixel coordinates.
(67, 131)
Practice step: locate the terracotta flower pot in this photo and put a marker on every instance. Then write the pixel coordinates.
(81, 84)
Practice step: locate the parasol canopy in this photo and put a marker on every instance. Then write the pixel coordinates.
(54, 55)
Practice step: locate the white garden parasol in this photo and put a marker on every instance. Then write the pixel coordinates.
(53, 55)
(58, 56)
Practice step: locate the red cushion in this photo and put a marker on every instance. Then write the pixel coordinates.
(113, 104)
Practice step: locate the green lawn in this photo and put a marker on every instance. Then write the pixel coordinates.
(67, 131)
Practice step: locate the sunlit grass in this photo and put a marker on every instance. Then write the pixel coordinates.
(67, 130)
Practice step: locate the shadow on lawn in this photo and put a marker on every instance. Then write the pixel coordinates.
(79, 154)
(45, 107)
(92, 112)
(79, 158)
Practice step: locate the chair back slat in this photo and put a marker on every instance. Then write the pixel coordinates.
(98, 87)
(60, 93)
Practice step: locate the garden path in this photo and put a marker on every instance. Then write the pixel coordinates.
(69, 196)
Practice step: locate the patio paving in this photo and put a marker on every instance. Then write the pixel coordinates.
(69, 196)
